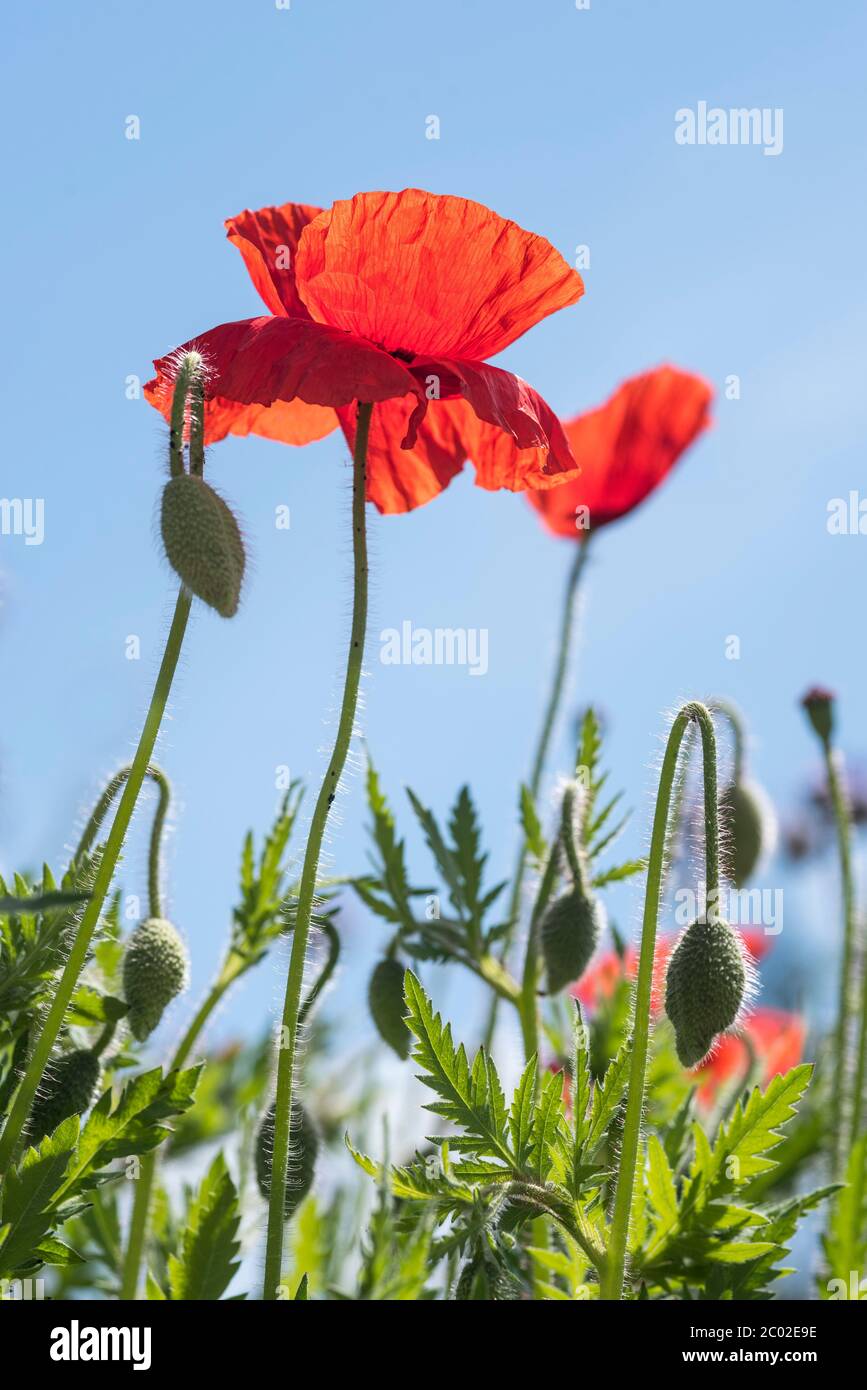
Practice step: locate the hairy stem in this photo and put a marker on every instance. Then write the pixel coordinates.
(528, 1007)
(840, 1071)
(287, 1043)
(102, 882)
(615, 1263)
(549, 721)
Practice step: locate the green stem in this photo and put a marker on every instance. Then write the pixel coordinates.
(100, 810)
(144, 1184)
(102, 882)
(549, 721)
(843, 822)
(861, 1065)
(528, 1007)
(287, 1044)
(735, 721)
(233, 967)
(615, 1264)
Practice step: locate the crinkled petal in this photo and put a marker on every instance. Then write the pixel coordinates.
(268, 241)
(288, 422)
(627, 447)
(527, 446)
(399, 479)
(448, 433)
(260, 361)
(425, 273)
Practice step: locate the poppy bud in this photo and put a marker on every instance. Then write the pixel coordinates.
(303, 1150)
(749, 821)
(387, 1007)
(571, 929)
(705, 987)
(819, 704)
(154, 971)
(69, 1088)
(203, 542)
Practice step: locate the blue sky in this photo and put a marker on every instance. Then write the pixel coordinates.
(722, 260)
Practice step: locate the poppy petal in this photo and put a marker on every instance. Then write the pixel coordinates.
(419, 272)
(260, 361)
(627, 447)
(288, 422)
(399, 479)
(527, 447)
(449, 433)
(268, 240)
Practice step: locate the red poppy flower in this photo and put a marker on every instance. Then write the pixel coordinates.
(396, 298)
(775, 1037)
(598, 983)
(625, 448)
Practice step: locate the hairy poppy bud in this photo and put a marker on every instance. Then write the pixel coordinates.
(154, 971)
(705, 987)
(571, 929)
(303, 1150)
(69, 1088)
(203, 542)
(387, 1007)
(749, 821)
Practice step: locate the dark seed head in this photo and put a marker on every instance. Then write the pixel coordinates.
(705, 988)
(571, 929)
(203, 542)
(154, 971)
(303, 1150)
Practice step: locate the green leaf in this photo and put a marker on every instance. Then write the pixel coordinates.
(521, 1112)
(206, 1262)
(471, 1100)
(29, 1196)
(531, 825)
(607, 1098)
(660, 1181)
(754, 1129)
(301, 1292)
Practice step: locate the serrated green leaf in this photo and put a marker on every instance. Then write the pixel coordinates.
(206, 1262)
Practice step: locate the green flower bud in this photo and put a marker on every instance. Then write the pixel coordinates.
(68, 1088)
(154, 972)
(303, 1151)
(387, 1007)
(749, 826)
(571, 929)
(203, 542)
(705, 988)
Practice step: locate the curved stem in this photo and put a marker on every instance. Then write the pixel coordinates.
(287, 1045)
(567, 626)
(615, 1265)
(154, 899)
(102, 882)
(109, 792)
(735, 721)
(843, 823)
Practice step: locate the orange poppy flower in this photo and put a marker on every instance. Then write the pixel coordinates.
(775, 1037)
(625, 448)
(597, 985)
(397, 298)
